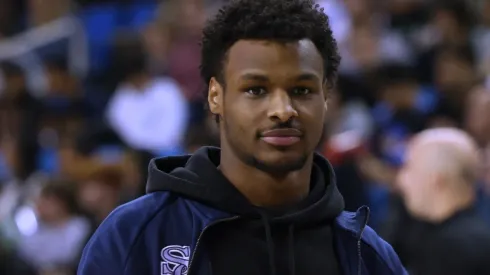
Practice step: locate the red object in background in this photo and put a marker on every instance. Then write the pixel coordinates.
(343, 146)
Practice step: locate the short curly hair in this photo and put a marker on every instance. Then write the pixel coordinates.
(281, 20)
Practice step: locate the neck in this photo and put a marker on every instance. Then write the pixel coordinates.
(263, 189)
(448, 205)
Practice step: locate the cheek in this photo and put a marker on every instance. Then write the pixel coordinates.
(242, 117)
(408, 183)
(237, 126)
(313, 119)
(404, 183)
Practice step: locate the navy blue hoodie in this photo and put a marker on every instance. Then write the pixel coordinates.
(193, 221)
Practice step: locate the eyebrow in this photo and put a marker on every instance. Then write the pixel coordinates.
(264, 78)
(308, 76)
(254, 76)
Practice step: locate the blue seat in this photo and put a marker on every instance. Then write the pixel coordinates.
(139, 14)
(100, 22)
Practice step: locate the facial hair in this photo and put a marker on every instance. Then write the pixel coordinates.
(277, 168)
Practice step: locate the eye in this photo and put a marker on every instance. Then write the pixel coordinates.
(301, 91)
(256, 91)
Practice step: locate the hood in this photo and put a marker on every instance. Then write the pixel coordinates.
(197, 177)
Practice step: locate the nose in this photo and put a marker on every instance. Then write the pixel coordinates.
(281, 107)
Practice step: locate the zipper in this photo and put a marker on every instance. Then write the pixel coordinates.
(200, 236)
(359, 240)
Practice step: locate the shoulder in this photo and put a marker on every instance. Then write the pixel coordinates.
(377, 255)
(378, 251)
(108, 249)
(471, 239)
(132, 216)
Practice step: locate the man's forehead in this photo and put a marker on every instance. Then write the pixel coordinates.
(267, 54)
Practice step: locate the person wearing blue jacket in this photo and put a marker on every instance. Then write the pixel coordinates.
(265, 202)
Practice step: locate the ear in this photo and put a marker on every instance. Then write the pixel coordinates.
(215, 97)
(327, 93)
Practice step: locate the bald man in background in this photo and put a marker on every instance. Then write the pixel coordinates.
(477, 123)
(437, 184)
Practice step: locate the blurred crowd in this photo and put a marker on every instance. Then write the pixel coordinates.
(91, 90)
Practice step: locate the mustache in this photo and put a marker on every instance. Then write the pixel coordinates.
(290, 124)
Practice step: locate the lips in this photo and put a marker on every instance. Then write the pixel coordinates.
(282, 137)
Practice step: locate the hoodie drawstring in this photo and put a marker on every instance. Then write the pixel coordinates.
(270, 244)
(271, 250)
(292, 263)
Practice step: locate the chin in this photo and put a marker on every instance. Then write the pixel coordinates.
(281, 162)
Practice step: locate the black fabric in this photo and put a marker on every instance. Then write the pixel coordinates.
(458, 246)
(295, 239)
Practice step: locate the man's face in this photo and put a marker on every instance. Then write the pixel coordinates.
(272, 105)
(415, 181)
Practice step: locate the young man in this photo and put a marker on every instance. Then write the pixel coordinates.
(265, 203)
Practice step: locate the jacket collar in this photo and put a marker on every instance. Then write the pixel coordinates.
(353, 222)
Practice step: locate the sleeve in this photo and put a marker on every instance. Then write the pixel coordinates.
(106, 250)
(384, 260)
(396, 265)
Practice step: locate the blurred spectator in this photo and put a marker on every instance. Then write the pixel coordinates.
(347, 131)
(401, 110)
(101, 191)
(57, 238)
(437, 184)
(182, 22)
(61, 117)
(454, 76)
(198, 136)
(481, 37)
(148, 113)
(477, 114)
(449, 25)
(478, 124)
(19, 119)
(399, 113)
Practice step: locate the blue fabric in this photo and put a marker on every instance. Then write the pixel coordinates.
(110, 154)
(176, 151)
(158, 233)
(140, 14)
(379, 199)
(100, 23)
(47, 161)
(427, 99)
